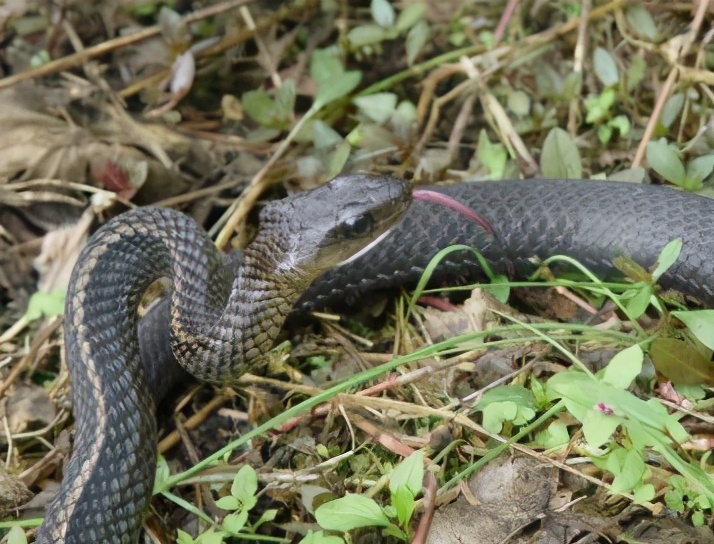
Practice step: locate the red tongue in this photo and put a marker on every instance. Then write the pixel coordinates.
(439, 198)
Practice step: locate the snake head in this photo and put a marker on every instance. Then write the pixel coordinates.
(309, 233)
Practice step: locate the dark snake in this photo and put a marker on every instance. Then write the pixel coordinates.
(225, 311)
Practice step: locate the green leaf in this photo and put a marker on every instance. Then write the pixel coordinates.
(664, 159)
(44, 304)
(629, 469)
(667, 257)
(410, 15)
(409, 474)
(680, 362)
(555, 436)
(644, 493)
(624, 367)
(162, 473)
(604, 133)
(383, 13)
(332, 80)
(560, 158)
(211, 536)
(641, 22)
(378, 107)
(234, 523)
(350, 512)
(519, 102)
(417, 38)
(228, 503)
(605, 67)
(245, 484)
(672, 108)
(268, 112)
(598, 426)
(492, 155)
(700, 168)
(364, 35)
(16, 535)
(637, 300)
(701, 323)
(621, 123)
(323, 135)
(319, 537)
(183, 537)
(403, 502)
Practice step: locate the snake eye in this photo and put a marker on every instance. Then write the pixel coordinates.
(359, 227)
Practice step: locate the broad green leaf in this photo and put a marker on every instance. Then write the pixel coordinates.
(554, 436)
(329, 91)
(630, 175)
(323, 135)
(378, 107)
(637, 300)
(604, 133)
(211, 536)
(581, 393)
(335, 161)
(403, 502)
(605, 67)
(700, 168)
(636, 70)
(383, 13)
(667, 257)
(701, 323)
(162, 473)
(598, 427)
(265, 111)
(16, 535)
(410, 15)
(629, 470)
(672, 108)
(560, 158)
(680, 362)
(624, 367)
(245, 484)
(229, 503)
(644, 493)
(320, 537)
(44, 304)
(350, 512)
(417, 37)
(234, 523)
(641, 22)
(183, 537)
(519, 102)
(621, 123)
(409, 474)
(363, 35)
(664, 159)
(492, 156)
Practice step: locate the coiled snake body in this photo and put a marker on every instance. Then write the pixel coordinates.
(224, 312)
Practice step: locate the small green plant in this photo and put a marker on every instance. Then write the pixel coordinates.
(669, 162)
(388, 26)
(599, 113)
(354, 511)
(240, 502)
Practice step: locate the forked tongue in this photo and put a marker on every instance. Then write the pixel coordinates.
(458, 207)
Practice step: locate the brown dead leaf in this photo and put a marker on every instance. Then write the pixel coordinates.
(60, 249)
(681, 363)
(27, 407)
(473, 315)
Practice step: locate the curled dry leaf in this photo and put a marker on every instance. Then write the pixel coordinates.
(60, 249)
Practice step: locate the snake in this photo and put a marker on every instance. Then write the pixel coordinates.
(330, 247)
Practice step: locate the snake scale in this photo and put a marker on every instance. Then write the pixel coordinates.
(225, 310)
